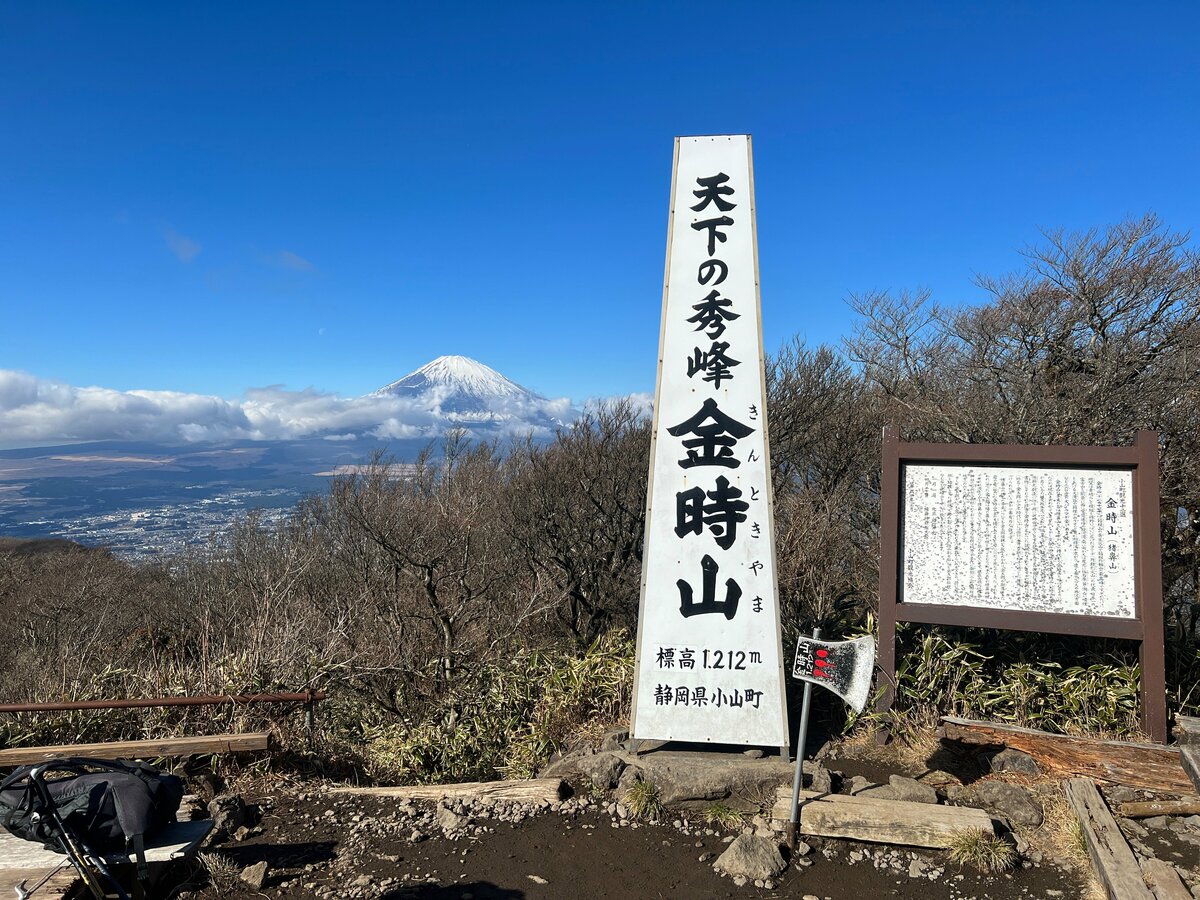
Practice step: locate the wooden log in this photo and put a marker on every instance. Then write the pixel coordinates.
(1164, 880)
(152, 749)
(535, 790)
(1111, 857)
(1190, 756)
(1152, 767)
(1189, 806)
(863, 818)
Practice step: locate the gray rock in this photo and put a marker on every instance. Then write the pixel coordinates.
(1010, 760)
(449, 821)
(255, 875)
(631, 776)
(602, 769)
(911, 790)
(1121, 794)
(858, 784)
(751, 857)
(228, 813)
(753, 753)
(819, 779)
(1156, 822)
(697, 778)
(614, 740)
(917, 868)
(1013, 802)
(1131, 827)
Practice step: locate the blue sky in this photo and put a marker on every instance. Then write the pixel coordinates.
(212, 197)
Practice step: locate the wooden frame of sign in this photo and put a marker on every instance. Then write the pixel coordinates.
(1136, 561)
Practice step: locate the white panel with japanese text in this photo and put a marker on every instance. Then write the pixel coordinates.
(709, 655)
(1033, 539)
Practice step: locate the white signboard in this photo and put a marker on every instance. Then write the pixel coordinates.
(709, 653)
(1023, 538)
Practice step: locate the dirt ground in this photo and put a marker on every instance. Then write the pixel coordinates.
(359, 847)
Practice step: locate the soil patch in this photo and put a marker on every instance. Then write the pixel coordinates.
(360, 847)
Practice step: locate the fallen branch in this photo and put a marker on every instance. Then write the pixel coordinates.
(535, 790)
(1152, 767)
(1146, 809)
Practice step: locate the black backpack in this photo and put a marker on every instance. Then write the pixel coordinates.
(108, 805)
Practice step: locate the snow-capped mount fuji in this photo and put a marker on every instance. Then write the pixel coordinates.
(466, 391)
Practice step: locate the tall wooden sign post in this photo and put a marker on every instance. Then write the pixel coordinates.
(1063, 540)
(709, 654)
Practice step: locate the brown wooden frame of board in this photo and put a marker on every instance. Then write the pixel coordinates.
(1147, 625)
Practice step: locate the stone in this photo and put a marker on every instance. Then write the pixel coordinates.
(1010, 760)
(602, 769)
(751, 857)
(917, 868)
(753, 753)
(228, 813)
(255, 875)
(1012, 801)
(819, 779)
(614, 740)
(911, 790)
(449, 821)
(694, 779)
(1121, 794)
(858, 784)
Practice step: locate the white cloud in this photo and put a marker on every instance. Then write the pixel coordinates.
(184, 248)
(290, 260)
(36, 411)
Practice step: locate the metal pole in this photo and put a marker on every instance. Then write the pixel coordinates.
(801, 741)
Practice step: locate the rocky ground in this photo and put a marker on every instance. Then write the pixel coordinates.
(316, 844)
(709, 839)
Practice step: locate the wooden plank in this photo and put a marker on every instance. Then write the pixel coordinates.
(862, 818)
(1190, 756)
(1111, 857)
(534, 790)
(1187, 730)
(151, 749)
(1189, 806)
(1164, 880)
(1152, 767)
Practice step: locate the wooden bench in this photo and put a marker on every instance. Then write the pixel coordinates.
(151, 749)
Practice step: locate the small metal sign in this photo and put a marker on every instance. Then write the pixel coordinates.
(844, 667)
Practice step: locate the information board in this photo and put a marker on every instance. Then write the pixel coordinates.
(709, 657)
(1026, 538)
(1055, 539)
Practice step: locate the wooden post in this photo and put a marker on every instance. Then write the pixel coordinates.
(1148, 578)
(889, 547)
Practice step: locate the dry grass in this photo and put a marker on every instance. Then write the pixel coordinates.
(985, 852)
(223, 874)
(724, 816)
(642, 800)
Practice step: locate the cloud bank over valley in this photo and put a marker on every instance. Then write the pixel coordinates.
(36, 410)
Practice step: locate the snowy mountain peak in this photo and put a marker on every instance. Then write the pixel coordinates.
(458, 377)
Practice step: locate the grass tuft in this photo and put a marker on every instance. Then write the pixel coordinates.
(724, 816)
(984, 852)
(223, 874)
(642, 800)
